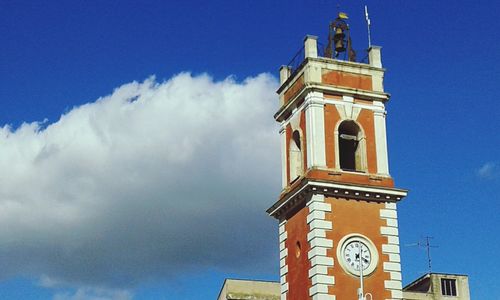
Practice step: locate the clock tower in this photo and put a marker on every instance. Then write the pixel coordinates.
(338, 228)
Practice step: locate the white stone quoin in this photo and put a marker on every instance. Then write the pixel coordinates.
(320, 262)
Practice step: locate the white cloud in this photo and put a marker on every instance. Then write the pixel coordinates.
(152, 180)
(94, 294)
(487, 170)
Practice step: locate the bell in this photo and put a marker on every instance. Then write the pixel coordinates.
(338, 38)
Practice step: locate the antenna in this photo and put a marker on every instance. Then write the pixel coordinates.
(427, 245)
(368, 23)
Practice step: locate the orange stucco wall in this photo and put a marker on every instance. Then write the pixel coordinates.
(346, 79)
(331, 118)
(351, 216)
(296, 87)
(298, 265)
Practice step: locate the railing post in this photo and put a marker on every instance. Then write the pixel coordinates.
(374, 56)
(311, 46)
(285, 72)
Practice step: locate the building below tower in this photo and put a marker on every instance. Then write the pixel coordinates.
(431, 286)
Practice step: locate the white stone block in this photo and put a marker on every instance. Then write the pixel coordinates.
(321, 224)
(283, 253)
(318, 288)
(397, 294)
(316, 233)
(282, 246)
(390, 249)
(283, 237)
(284, 270)
(322, 279)
(388, 213)
(390, 205)
(282, 262)
(283, 296)
(389, 230)
(392, 266)
(281, 228)
(316, 198)
(396, 276)
(315, 215)
(282, 280)
(394, 240)
(316, 251)
(392, 222)
(394, 258)
(320, 206)
(321, 242)
(322, 261)
(284, 288)
(318, 269)
(393, 284)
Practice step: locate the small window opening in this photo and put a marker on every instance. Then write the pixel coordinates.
(349, 149)
(448, 287)
(297, 249)
(295, 156)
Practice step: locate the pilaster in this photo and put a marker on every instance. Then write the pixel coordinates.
(315, 128)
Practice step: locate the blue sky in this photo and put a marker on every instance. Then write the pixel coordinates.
(115, 198)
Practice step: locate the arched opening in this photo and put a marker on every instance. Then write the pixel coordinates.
(351, 147)
(295, 156)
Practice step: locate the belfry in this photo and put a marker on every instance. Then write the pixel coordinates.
(337, 212)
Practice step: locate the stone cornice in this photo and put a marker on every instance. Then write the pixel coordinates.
(332, 189)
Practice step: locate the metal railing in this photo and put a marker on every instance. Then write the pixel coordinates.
(299, 57)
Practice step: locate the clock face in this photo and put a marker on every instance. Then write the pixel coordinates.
(355, 254)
